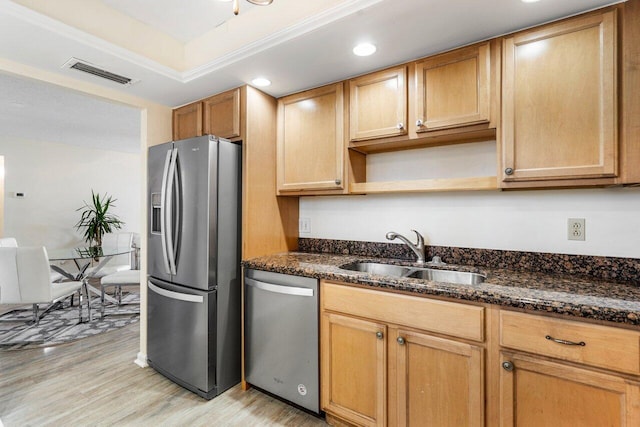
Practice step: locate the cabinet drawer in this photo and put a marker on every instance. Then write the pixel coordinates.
(602, 346)
(458, 320)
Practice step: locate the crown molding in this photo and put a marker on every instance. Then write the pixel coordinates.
(303, 27)
(40, 20)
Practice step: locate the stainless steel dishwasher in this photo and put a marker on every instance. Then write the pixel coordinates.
(281, 336)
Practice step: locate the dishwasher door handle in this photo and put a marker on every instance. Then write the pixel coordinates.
(270, 287)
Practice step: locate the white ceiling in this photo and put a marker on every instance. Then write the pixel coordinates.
(313, 51)
(174, 18)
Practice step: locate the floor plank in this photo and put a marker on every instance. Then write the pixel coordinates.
(94, 382)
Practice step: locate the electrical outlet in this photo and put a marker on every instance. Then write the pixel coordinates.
(304, 225)
(576, 229)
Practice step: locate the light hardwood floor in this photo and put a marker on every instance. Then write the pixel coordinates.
(94, 382)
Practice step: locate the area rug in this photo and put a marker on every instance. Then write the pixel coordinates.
(61, 325)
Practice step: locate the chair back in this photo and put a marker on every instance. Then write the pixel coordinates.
(8, 242)
(24, 275)
(124, 239)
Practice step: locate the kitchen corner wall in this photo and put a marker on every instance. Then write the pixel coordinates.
(515, 220)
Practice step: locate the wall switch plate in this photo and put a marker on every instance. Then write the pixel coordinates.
(304, 225)
(576, 229)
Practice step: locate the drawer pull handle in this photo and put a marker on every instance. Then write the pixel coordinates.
(379, 335)
(400, 340)
(565, 342)
(507, 366)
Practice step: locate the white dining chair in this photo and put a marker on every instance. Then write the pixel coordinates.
(11, 242)
(119, 262)
(25, 279)
(118, 280)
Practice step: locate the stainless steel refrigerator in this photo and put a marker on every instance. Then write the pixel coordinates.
(194, 283)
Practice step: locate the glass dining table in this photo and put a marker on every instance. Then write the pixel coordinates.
(83, 257)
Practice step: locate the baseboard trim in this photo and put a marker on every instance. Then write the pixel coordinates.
(141, 360)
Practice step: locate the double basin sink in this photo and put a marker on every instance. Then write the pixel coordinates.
(424, 273)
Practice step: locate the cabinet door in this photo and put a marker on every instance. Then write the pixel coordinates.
(311, 140)
(187, 121)
(222, 114)
(439, 381)
(378, 105)
(559, 115)
(353, 353)
(453, 89)
(540, 393)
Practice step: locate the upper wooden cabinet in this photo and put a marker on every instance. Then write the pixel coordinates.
(559, 102)
(311, 146)
(187, 121)
(378, 105)
(453, 89)
(222, 114)
(218, 115)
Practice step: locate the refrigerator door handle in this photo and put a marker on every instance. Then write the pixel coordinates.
(169, 212)
(163, 212)
(176, 295)
(270, 287)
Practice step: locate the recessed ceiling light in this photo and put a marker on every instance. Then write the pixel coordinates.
(530, 1)
(261, 82)
(364, 49)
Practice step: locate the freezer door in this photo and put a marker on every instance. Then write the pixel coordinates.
(158, 162)
(195, 215)
(182, 334)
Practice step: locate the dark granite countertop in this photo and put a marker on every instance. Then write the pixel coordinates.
(562, 294)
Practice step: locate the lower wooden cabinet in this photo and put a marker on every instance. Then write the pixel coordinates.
(386, 361)
(439, 381)
(354, 369)
(377, 373)
(535, 392)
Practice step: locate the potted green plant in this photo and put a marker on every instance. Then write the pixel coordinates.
(96, 219)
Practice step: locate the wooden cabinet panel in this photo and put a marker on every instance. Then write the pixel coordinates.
(439, 381)
(187, 121)
(536, 392)
(378, 105)
(559, 103)
(354, 369)
(611, 348)
(222, 114)
(453, 89)
(311, 140)
(459, 320)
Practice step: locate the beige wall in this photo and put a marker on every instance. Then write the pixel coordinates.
(155, 129)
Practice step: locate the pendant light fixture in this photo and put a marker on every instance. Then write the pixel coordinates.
(236, 4)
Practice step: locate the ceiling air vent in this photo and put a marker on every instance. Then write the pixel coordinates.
(86, 67)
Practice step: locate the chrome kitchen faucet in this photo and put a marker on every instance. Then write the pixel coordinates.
(418, 248)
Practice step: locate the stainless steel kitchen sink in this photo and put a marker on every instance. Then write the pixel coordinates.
(448, 276)
(378, 268)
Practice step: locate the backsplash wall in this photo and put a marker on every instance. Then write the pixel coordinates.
(534, 221)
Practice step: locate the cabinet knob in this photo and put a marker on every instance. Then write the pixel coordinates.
(507, 366)
(508, 171)
(379, 335)
(400, 126)
(419, 123)
(400, 340)
(338, 181)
